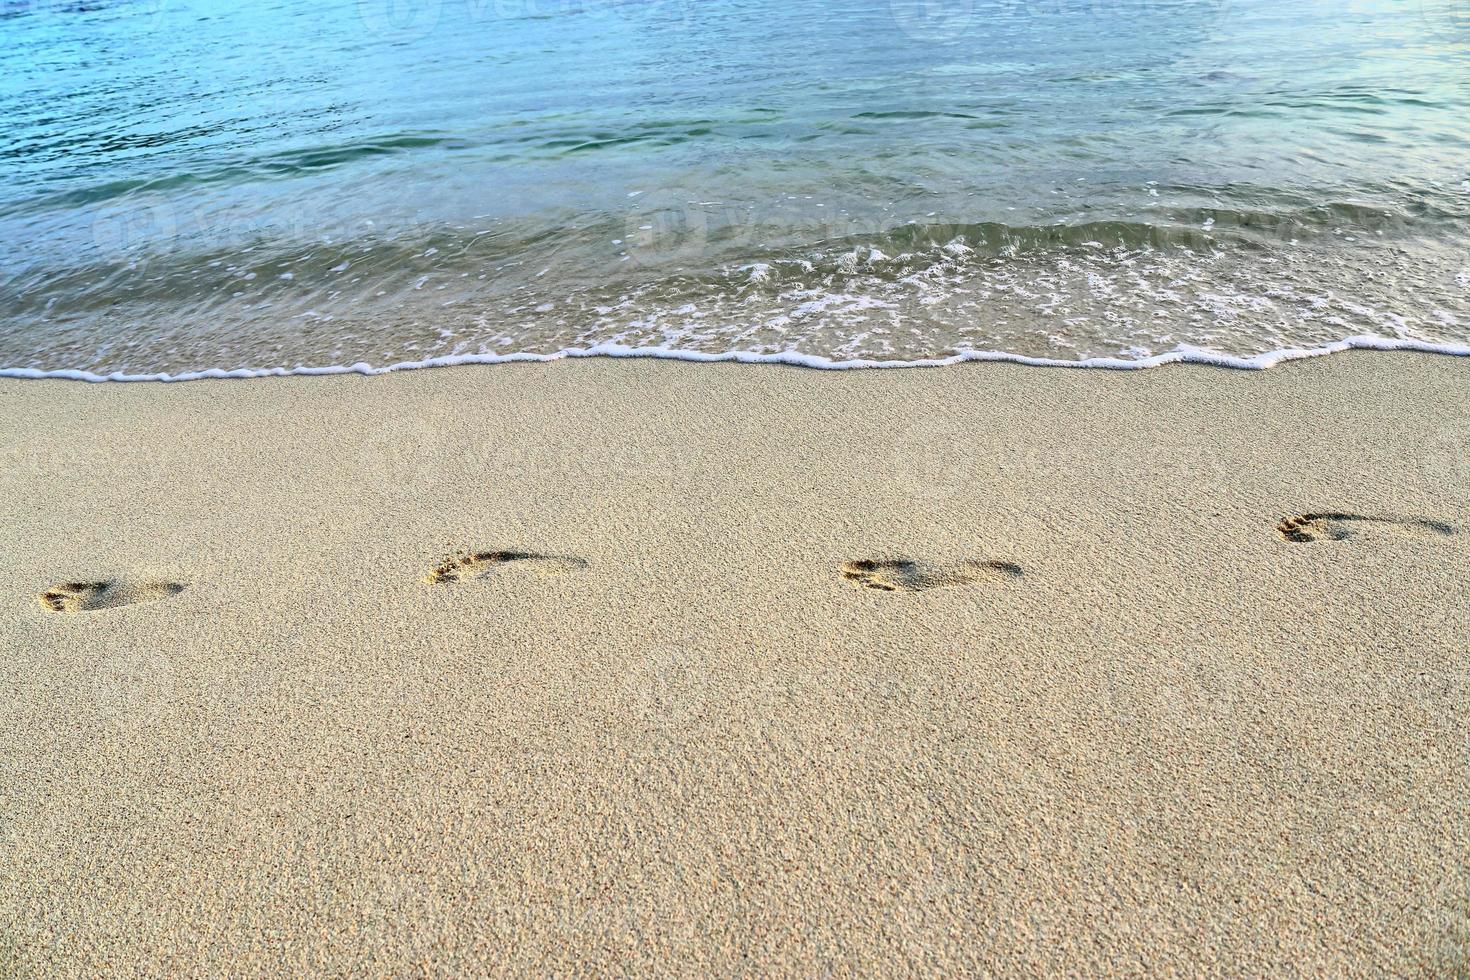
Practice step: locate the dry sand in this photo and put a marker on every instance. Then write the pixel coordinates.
(682, 706)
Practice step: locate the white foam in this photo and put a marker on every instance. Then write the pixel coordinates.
(1181, 355)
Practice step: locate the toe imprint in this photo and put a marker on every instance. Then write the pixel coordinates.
(908, 575)
(74, 597)
(465, 565)
(1339, 526)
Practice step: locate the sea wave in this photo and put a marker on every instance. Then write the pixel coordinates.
(789, 358)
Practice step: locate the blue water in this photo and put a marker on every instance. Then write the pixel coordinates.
(195, 184)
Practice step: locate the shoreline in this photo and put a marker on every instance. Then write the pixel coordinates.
(1196, 356)
(628, 664)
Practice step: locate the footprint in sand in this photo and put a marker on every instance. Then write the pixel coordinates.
(74, 597)
(906, 575)
(463, 566)
(1336, 526)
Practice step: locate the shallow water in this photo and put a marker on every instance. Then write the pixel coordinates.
(196, 185)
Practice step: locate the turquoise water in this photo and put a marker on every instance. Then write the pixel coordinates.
(195, 184)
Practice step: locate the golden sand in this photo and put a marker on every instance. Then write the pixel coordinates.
(649, 666)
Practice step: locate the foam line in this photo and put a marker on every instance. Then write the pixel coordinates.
(1183, 355)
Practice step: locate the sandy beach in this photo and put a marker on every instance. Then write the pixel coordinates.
(634, 666)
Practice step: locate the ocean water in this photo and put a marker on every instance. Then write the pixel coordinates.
(201, 185)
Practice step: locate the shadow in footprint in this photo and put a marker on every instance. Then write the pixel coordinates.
(462, 566)
(1339, 526)
(74, 597)
(907, 575)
